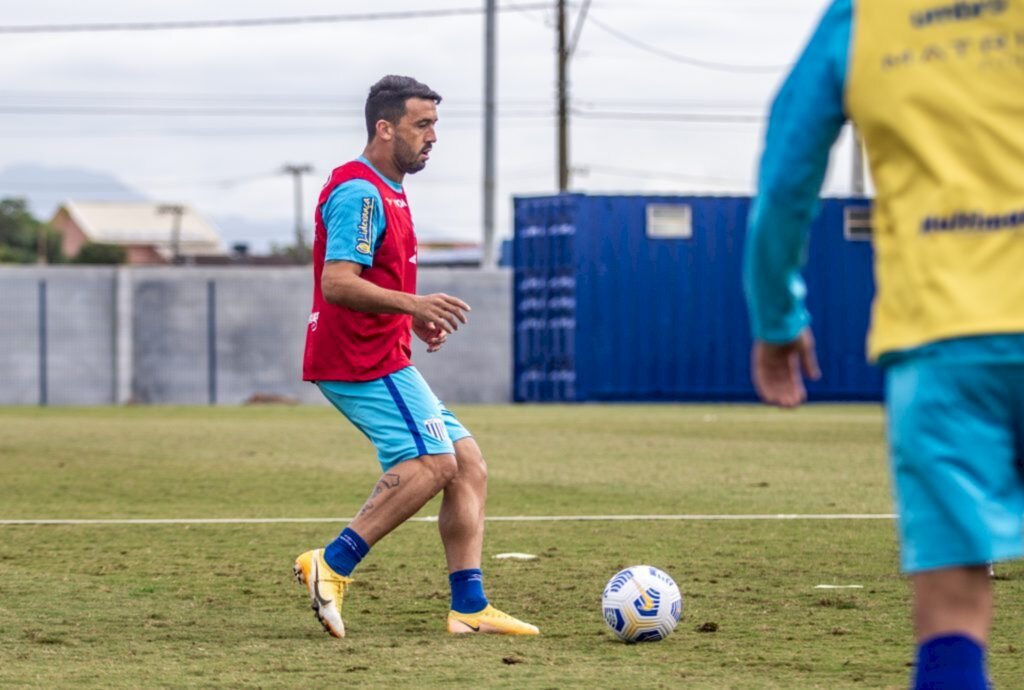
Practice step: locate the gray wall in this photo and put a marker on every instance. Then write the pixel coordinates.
(116, 335)
(19, 336)
(475, 365)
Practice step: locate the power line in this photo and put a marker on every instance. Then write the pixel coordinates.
(165, 110)
(646, 103)
(8, 186)
(707, 118)
(685, 59)
(597, 110)
(227, 134)
(346, 120)
(578, 29)
(547, 20)
(232, 111)
(715, 7)
(295, 100)
(260, 21)
(639, 119)
(161, 182)
(657, 175)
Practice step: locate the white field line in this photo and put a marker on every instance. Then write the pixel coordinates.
(508, 518)
(785, 416)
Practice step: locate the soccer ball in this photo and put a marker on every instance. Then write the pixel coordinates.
(642, 604)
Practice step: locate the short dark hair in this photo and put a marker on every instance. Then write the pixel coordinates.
(387, 100)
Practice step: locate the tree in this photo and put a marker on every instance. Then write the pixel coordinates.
(298, 254)
(100, 253)
(20, 235)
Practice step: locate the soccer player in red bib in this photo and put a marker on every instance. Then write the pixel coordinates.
(365, 308)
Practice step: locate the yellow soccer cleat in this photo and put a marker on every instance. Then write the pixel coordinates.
(490, 620)
(326, 589)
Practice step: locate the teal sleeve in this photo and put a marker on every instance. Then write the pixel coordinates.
(354, 218)
(806, 118)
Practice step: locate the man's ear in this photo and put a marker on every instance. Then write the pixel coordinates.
(385, 130)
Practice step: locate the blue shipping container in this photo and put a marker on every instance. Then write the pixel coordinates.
(640, 299)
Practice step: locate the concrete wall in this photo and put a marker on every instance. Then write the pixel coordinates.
(143, 335)
(475, 365)
(76, 366)
(19, 336)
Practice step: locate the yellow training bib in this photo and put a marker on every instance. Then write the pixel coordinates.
(937, 90)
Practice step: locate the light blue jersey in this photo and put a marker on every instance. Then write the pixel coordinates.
(353, 213)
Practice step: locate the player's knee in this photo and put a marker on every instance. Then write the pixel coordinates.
(444, 468)
(472, 465)
(473, 469)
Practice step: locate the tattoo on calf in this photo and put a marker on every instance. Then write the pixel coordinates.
(388, 481)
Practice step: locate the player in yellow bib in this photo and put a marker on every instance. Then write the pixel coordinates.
(936, 88)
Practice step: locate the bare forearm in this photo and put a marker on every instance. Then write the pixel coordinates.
(355, 293)
(342, 285)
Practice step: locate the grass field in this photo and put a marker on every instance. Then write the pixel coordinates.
(213, 604)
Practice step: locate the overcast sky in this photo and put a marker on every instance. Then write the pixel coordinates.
(140, 105)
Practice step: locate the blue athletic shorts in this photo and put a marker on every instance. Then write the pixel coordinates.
(956, 436)
(399, 414)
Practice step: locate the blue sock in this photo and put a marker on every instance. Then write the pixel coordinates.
(344, 553)
(468, 590)
(950, 662)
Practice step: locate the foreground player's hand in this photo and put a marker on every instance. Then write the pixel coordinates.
(778, 370)
(433, 336)
(440, 311)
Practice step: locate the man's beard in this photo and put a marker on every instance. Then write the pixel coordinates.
(408, 160)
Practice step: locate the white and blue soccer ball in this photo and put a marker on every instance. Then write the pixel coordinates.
(642, 604)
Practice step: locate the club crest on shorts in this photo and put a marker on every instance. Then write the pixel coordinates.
(436, 429)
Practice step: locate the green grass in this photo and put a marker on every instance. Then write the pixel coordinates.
(213, 605)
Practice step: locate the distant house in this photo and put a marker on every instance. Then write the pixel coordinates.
(151, 233)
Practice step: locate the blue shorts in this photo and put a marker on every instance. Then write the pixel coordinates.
(956, 436)
(399, 414)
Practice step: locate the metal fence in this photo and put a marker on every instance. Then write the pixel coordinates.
(188, 335)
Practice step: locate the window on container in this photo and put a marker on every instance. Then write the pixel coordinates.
(669, 221)
(857, 223)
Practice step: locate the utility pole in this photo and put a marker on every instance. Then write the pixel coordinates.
(488, 257)
(563, 102)
(176, 211)
(297, 171)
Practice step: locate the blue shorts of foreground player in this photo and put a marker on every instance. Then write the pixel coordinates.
(956, 435)
(399, 414)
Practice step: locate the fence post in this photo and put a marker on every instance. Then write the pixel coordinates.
(123, 334)
(211, 340)
(43, 392)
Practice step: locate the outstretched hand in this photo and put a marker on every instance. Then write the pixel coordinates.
(440, 311)
(778, 370)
